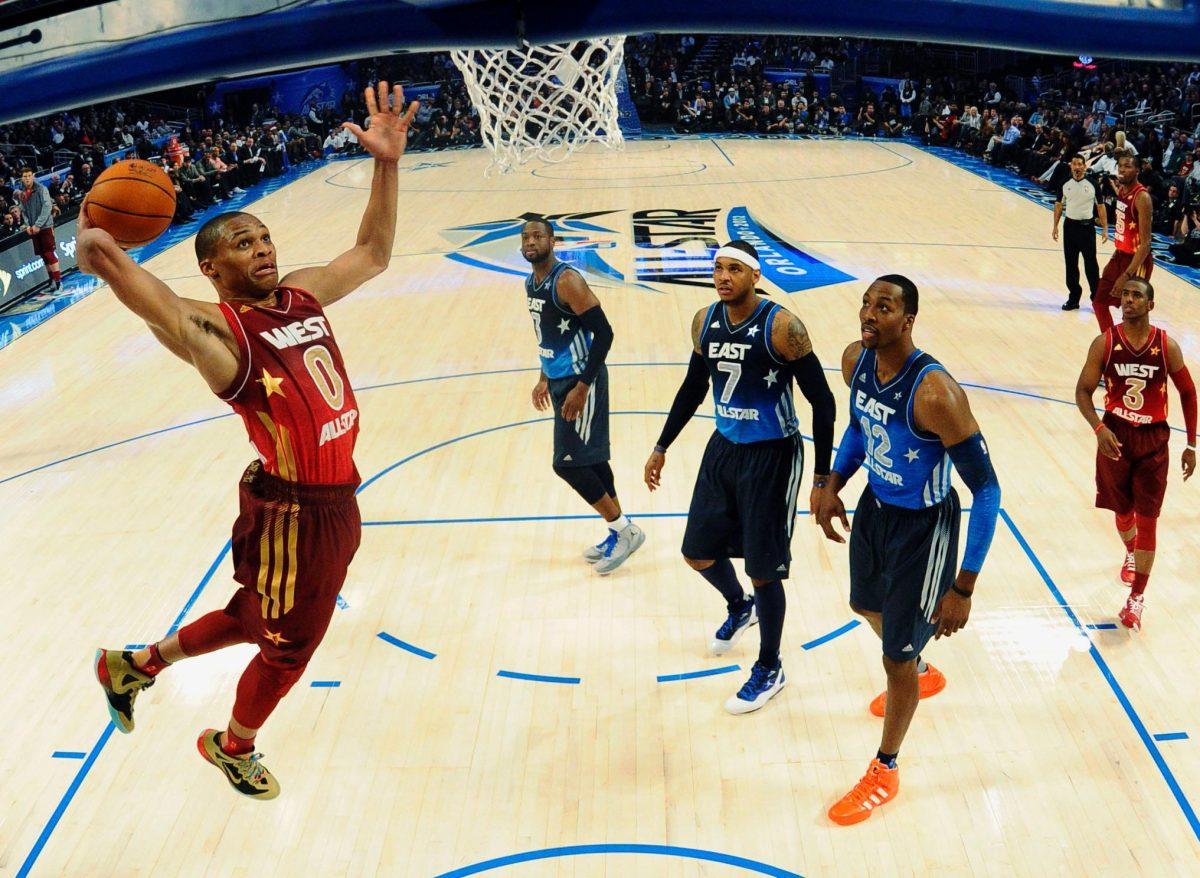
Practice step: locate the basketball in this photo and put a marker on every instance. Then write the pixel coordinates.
(133, 201)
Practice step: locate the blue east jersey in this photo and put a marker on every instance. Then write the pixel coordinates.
(906, 467)
(563, 343)
(752, 387)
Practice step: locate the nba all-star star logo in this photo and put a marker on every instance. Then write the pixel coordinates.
(495, 245)
(275, 637)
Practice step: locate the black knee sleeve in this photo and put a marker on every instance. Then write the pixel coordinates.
(584, 480)
(604, 472)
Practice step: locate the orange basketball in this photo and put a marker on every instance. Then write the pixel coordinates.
(133, 201)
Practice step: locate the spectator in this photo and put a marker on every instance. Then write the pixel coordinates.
(36, 205)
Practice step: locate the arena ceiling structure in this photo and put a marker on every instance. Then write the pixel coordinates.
(62, 54)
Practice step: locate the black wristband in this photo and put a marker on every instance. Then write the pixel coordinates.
(960, 592)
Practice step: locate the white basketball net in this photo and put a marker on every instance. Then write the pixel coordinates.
(544, 101)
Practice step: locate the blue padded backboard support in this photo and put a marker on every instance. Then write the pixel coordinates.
(361, 28)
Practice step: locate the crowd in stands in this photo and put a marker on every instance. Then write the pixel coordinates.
(691, 86)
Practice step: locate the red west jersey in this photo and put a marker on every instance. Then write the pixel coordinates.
(292, 390)
(1126, 236)
(1136, 379)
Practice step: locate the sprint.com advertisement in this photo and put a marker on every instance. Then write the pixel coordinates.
(21, 269)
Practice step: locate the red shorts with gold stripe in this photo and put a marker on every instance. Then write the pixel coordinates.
(1114, 269)
(292, 545)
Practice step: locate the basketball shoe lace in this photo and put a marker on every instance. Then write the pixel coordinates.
(867, 787)
(759, 674)
(251, 768)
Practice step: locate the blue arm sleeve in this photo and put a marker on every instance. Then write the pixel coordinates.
(975, 466)
(851, 452)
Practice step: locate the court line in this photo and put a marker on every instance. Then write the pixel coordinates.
(68, 754)
(717, 144)
(692, 675)
(577, 850)
(1140, 727)
(1101, 626)
(325, 684)
(415, 650)
(837, 632)
(991, 388)
(539, 678)
(504, 519)
(1171, 736)
(86, 767)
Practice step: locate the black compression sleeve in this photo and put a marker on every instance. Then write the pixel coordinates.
(811, 379)
(691, 393)
(596, 323)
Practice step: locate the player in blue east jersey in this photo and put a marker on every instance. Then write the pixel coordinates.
(744, 502)
(573, 338)
(910, 425)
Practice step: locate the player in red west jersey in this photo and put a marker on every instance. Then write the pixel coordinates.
(1131, 238)
(1132, 457)
(267, 349)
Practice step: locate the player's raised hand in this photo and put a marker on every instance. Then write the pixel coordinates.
(1110, 446)
(1189, 463)
(654, 468)
(829, 508)
(386, 134)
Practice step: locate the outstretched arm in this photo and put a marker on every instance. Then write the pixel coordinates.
(193, 331)
(385, 139)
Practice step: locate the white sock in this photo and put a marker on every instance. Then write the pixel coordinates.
(619, 523)
(921, 666)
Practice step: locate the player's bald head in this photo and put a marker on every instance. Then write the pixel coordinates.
(219, 227)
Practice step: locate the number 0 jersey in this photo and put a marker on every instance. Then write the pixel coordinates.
(906, 467)
(292, 391)
(563, 343)
(752, 387)
(1135, 379)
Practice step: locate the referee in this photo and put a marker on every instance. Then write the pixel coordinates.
(1078, 197)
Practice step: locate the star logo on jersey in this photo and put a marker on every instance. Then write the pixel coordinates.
(242, 309)
(564, 325)
(772, 377)
(912, 454)
(275, 638)
(898, 394)
(271, 384)
(1154, 351)
(752, 331)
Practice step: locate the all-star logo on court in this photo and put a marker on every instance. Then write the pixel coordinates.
(671, 247)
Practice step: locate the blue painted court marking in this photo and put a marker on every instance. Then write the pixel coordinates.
(692, 675)
(539, 678)
(1101, 626)
(1140, 727)
(578, 850)
(1171, 736)
(836, 632)
(135, 646)
(717, 144)
(325, 684)
(90, 760)
(341, 603)
(415, 650)
(75, 754)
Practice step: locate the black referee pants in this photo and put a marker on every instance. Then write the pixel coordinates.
(1079, 239)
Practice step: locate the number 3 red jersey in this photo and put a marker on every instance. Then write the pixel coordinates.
(292, 391)
(1136, 378)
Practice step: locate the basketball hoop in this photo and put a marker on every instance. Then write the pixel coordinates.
(544, 101)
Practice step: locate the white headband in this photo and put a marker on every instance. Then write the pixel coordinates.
(734, 253)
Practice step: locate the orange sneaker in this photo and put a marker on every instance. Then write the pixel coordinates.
(1128, 569)
(931, 683)
(878, 787)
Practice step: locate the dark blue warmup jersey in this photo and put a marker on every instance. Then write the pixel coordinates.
(752, 387)
(906, 467)
(563, 343)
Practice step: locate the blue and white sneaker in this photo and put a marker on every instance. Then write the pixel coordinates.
(733, 628)
(763, 685)
(597, 553)
(628, 541)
